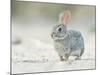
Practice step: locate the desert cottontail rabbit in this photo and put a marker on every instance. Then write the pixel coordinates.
(67, 42)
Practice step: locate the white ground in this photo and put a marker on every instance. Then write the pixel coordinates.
(33, 55)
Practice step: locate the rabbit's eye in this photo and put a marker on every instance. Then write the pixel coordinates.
(59, 29)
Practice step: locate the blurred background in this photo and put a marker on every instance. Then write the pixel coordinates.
(32, 24)
(39, 18)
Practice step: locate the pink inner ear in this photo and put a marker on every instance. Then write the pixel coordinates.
(66, 17)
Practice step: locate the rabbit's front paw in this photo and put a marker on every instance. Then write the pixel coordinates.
(61, 58)
(66, 57)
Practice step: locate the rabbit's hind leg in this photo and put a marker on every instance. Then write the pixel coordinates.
(82, 51)
(79, 56)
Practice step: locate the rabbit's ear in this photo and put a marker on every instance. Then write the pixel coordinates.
(65, 17)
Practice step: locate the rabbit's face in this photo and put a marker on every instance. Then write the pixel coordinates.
(59, 31)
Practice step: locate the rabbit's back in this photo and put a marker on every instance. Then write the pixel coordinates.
(75, 40)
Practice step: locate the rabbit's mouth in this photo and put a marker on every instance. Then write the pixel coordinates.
(53, 35)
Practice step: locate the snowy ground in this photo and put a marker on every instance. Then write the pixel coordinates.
(32, 45)
(33, 55)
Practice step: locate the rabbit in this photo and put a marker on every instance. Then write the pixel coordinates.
(67, 42)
